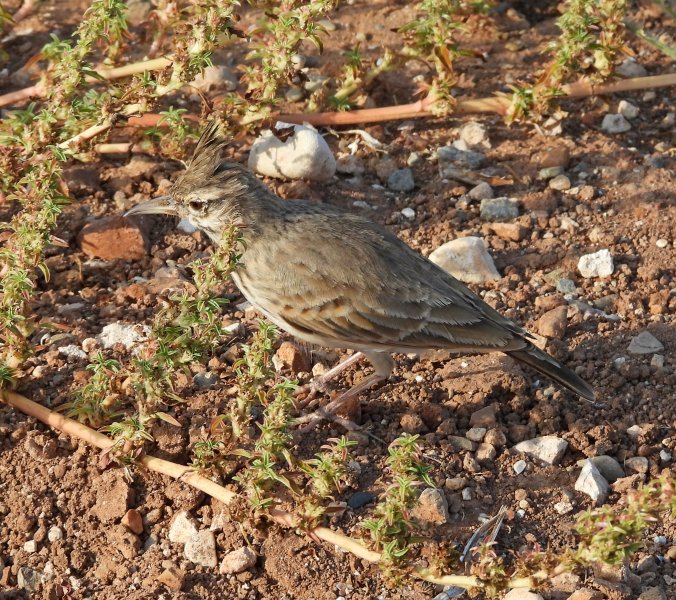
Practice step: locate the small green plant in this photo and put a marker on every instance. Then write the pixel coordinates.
(591, 41)
(391, 529)
(95, 402)
(281, 31)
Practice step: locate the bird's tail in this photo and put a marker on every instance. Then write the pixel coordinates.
(545, 364)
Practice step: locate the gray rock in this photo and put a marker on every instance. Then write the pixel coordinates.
(597, 264)
(607, 466)
(305, 155)
(630, 68)
(401, 180)
(475, 135)
(483, 191)
(638, 464)
(432, 507)
(201, 549)
(461, 158)
(498, 209)
(550, 172)
(476, 434)
(549, 448)
(237, 561)
(645, 343)
(467, 259)
(566, 286)
(359, 499)
(28, 579)
(615, 124)
(205, 379)
(653, 593)
(592, 483)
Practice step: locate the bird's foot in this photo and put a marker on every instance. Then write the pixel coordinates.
(311, 420)
(306, 394)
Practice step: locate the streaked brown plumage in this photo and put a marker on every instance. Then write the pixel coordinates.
(336, 279)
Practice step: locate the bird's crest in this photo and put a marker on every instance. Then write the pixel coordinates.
(205, 159)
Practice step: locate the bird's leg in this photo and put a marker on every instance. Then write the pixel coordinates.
(308, 391)
(383, 365)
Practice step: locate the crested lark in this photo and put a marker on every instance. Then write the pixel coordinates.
(336, 279)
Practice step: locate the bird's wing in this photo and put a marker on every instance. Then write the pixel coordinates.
(357, 285)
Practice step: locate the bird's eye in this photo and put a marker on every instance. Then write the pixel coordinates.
(196, 205)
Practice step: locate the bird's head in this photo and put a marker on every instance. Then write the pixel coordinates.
(210, 193)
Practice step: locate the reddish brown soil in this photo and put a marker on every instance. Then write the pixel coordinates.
(48, 480)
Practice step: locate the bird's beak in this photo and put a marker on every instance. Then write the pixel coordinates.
(162, 205)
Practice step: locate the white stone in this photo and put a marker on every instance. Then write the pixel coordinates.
(615, 124)
(549, 448)
(627, 109)
(408, 213)
(475, 135)
(305, 155)
(645, 343)
(238, 561)
(183, 528)
(662, 243)
(476, 434)
(121, 333)
(54, 534)
(563, 507)
(30, 546)
(201, 549)
(597, 264)
(467, 494)
(638, 464)
(521, 594)
(634, 431)
(73, 351)
(520, 466)
(665, 456)
(467, 259)
(592, 483)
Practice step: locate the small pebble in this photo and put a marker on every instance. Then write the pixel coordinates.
(657, 361)
(592, 483)
(615, 124)
(519, 466)
(54, 534)
(661, 243)
(627, 109)
(476, 434)
(665, 456)
(482, 191)
(498, 209)
(432, 507)
(30, 546)
(560, 183)
(401, 180)
(408, 213)
(467, 494)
